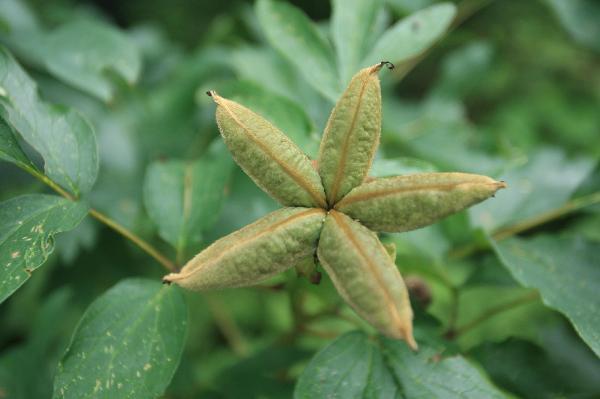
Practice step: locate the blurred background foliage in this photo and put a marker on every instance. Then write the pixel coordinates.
(512, 91)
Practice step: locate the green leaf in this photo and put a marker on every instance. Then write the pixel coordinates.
(82, 51)
(351, 24)
(565, 271)
(493, 313)
(412, 35)
(424, 375)
(545, 183)
(562, 368)
(294, 35)
(356, 366)
(28, 226)
(128, 343)
(10, 150)
(383, 167)
(258, 376)
(580, 18)
(63, 138)
(184, 198)
(352, 366)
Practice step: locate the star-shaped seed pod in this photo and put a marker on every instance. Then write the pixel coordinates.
(332, 210)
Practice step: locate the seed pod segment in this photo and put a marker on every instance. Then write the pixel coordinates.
(409, 202)
(365, 276)
(258, 251)
(268, 156)
(352, 135)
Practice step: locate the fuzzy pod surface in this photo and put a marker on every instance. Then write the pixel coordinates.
(260, 250)
(352, 135)
(268, 156)
(365, 276)
(404, 203)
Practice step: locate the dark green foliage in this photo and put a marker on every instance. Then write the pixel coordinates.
(112, 165)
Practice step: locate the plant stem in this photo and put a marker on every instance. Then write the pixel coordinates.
(527, 224)
(137, 240)
(50, 183)
(545, 217)
(227, 325)
(494, 311)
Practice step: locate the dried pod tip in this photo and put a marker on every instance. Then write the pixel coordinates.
(213, 94)
(169, 278)
(412, 344)
(377, 67)
(387, 63)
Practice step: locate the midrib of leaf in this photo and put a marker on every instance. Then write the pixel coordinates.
(290, 172)
(371, 268)
(240, 243)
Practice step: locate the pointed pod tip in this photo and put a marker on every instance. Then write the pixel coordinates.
(412, 344)
(407, 335)
(169, 278)
(377, 67)
(388, 64)
(213, 94)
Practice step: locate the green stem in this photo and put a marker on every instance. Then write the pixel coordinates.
(545, 217)
(527, 224)
(137, 240)
(227, 325)
(494, 311)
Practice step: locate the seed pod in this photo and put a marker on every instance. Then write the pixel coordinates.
(260, 250)
(268, 156)
(409, 202)
(365, 276)
(352, 135)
